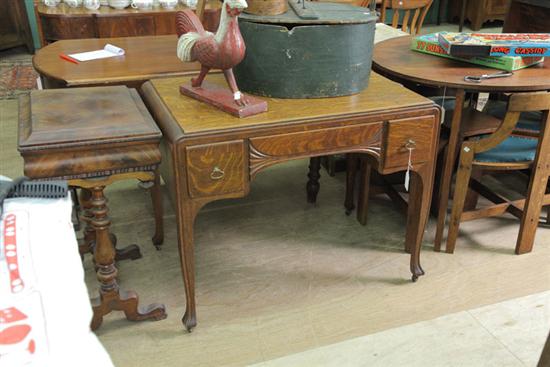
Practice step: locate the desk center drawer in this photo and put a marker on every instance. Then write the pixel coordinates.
(215, 169)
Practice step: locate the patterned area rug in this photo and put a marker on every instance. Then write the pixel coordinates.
(16, 78)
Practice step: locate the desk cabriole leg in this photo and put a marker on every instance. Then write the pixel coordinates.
(417, 215)
(448, 167)
(110, 298)
(186, 221)
(312, 186)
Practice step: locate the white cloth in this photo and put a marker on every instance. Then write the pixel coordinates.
(45, 311)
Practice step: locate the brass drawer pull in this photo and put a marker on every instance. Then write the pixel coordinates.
(411, 144)
(217, 173)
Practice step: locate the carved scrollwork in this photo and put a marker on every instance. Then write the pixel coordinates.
(259, 160)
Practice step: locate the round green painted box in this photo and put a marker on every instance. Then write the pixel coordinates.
(324, 50)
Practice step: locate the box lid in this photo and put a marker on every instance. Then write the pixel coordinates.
(325, 13)
(58, 118)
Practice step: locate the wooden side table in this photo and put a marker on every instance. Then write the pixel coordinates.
(128, 70)
(93, 137)
(212, 155)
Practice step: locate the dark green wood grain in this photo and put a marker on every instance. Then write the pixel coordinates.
(308, 61)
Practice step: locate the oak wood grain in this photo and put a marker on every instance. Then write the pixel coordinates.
(195, 117)
(159, 51)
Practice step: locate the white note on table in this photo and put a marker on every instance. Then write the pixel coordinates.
(108, 51)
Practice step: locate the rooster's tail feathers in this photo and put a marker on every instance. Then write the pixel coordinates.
(187, 21)
(185, 46)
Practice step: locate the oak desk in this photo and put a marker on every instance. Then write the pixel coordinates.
(210, 155)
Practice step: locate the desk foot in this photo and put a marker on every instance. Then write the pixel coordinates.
(126, 302)
(189, 321)
(417, 272)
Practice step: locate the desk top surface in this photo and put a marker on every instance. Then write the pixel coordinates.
(146, 57)
(83, 117)
(194, 117)
(394, 57)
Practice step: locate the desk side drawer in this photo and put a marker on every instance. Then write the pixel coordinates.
(215, 169)
(417, 132)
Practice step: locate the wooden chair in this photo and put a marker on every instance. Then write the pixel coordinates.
(413, 14)
(504, 151)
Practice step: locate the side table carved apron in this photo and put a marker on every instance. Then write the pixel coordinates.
(93, 137)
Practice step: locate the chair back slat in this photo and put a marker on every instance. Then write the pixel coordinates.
(525, 102)
(414, 21)
(395, 19)
(409, 4)
(405, 22)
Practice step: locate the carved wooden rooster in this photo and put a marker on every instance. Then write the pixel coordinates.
(222, 50)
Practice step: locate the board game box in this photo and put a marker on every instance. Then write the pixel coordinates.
(495, 44)
(429, 44)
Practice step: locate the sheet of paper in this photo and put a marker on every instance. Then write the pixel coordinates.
(384, 32)
(108, 51)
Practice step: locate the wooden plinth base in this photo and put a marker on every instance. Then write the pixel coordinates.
(128, 302)
(222, 98)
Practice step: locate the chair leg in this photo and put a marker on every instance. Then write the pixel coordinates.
(548, 214)
(472, 196)
(351, 172)
(459, 197)
(364, 187)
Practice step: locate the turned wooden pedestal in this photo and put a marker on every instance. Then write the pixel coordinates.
(92, 137)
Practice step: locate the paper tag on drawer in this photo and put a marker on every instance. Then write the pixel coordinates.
(409, 167)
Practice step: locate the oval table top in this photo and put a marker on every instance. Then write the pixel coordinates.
(145, 58)
(395, 59)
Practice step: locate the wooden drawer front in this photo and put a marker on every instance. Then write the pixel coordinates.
(310, 142)
(165, 24)
(67, 28)
(418, 131)
(128, 26)
(215, 169)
